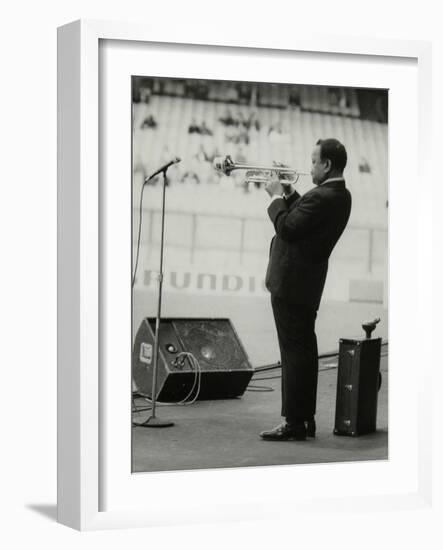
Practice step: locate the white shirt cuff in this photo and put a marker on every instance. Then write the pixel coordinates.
(275, 197)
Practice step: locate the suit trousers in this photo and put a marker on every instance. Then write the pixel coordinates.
(295, 324)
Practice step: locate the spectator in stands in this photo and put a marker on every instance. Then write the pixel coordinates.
(294, 96)
(228, 119)
(363, 166)
(201, 129)
(307, 228)
(149, 122)
(250, 121)
(243, 120)
(194, 128)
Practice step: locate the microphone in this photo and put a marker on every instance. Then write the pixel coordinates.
(175, 160)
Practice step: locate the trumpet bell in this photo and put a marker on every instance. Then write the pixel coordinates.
(225, 165)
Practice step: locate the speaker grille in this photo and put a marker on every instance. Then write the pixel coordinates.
(213, 343)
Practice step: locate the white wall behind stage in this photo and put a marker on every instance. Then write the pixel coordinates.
(217, 242)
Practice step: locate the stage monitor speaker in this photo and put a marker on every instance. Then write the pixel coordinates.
(358, 381)
(225, 367)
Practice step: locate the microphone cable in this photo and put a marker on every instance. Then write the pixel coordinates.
(278, 366)
(197, 379)
(189, 399)
(140, 218)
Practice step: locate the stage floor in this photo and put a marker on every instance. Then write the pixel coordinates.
(225, 433)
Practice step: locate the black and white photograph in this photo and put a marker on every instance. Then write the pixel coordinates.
(222, 271)
(259, 274)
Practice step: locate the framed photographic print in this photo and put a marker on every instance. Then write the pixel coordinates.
(218, 348)
(232, 220)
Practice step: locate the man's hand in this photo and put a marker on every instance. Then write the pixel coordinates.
(273, 185)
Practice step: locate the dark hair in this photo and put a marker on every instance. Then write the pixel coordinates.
(335, 151)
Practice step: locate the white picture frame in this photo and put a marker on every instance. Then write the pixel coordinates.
(80, 296)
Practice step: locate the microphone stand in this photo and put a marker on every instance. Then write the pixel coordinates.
(153, 421)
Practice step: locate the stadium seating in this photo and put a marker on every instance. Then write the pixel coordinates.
(284, 134)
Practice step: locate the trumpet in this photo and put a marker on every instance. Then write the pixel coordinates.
(258, 174)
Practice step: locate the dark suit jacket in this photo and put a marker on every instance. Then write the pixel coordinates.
(307, 228)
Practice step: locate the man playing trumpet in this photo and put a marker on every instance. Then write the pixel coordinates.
(307, 228)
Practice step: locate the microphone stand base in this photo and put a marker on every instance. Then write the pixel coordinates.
(154, 422)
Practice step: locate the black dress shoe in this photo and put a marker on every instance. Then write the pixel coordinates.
(286, 432)
(310, 428)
